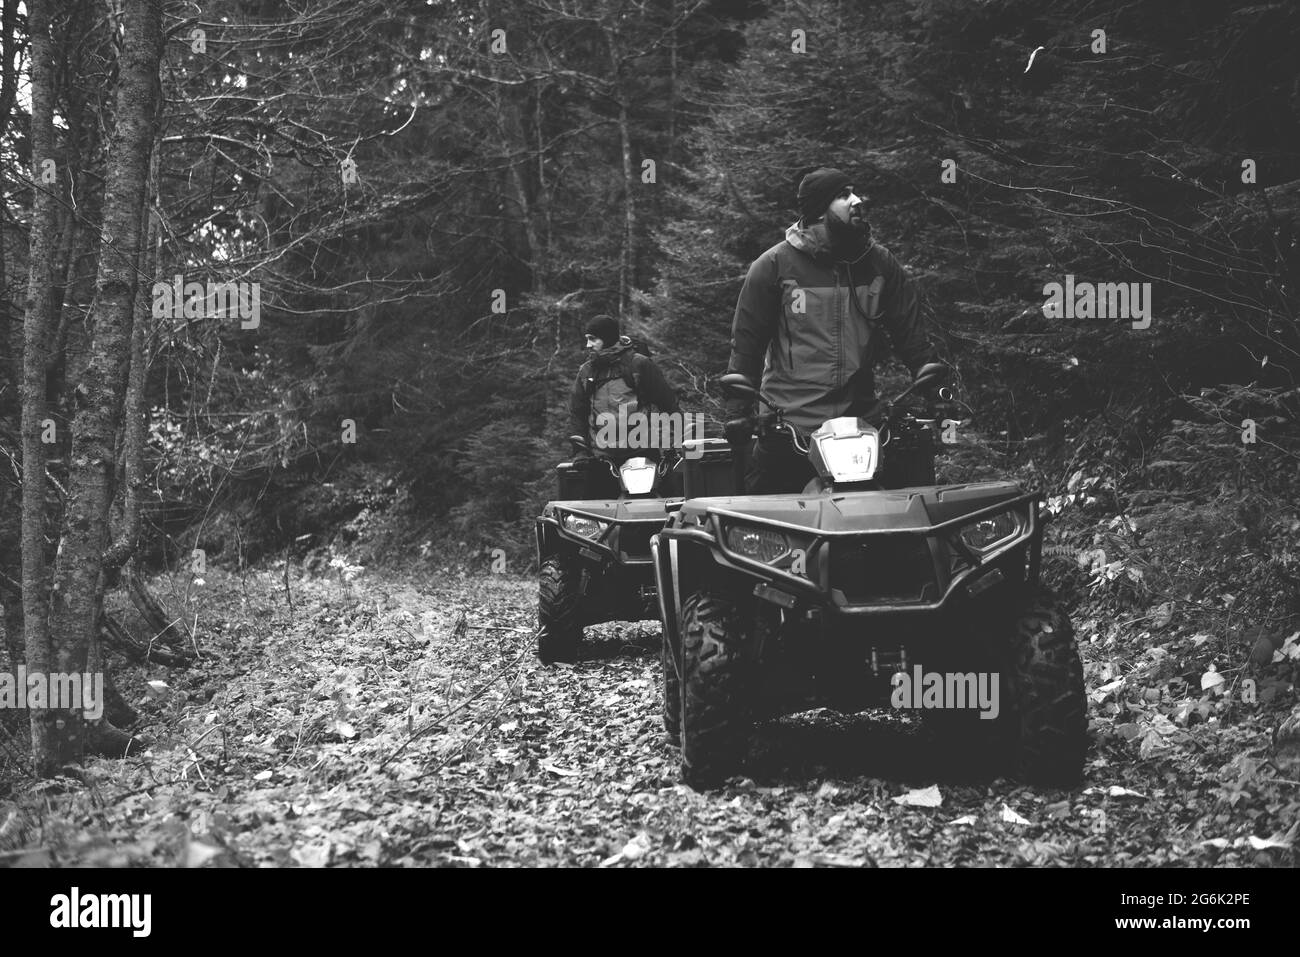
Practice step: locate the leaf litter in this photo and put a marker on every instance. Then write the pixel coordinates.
(408, 723)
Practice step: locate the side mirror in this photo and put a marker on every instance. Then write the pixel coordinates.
(578, 442)
(926, 376)
(738, 385)
(930, 373)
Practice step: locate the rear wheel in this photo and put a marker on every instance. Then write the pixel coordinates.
(558, 612)
(715, 715)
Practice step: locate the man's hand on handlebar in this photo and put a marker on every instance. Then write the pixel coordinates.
(740, 419)
(581, 449)
(739, 430)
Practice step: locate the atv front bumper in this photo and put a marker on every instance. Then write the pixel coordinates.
(614, 532)
(908, 576)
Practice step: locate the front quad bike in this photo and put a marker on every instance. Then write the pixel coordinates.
(773, 604)
(593, 555)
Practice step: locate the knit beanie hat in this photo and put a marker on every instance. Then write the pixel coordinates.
(604, 328)
(817, 189)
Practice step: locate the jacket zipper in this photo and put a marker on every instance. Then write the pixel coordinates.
(789, 342)
(839, 327)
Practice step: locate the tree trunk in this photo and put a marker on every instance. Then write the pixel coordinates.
(128, 536)
(627, 261)
(10, 370)
(670, 154)
(35, 327)
(515, 139)
(102, 386)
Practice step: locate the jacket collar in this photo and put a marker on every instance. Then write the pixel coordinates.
(611, 354)
(815, 241)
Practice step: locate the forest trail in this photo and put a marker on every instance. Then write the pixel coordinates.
(398, 719)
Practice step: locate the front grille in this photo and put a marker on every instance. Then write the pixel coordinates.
(634, 539)
(884, 568)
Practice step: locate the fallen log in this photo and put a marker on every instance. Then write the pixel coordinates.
(167, 629)
(111, 630)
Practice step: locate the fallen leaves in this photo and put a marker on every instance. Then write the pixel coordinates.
(308, 757)
(1011, 817)
(1211, 679)
(633, 850)
(559, 771)
(923, 797)
(1115, 791)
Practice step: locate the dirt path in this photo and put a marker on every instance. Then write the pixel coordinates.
(390, 721)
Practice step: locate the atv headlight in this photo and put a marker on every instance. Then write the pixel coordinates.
(849, 451)
(581, 525)
(637, 476)
(760, 544)
(994, 530)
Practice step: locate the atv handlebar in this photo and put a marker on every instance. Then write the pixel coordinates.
(884, 415)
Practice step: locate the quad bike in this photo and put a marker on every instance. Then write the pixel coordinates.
(593, 555)
(775, 604)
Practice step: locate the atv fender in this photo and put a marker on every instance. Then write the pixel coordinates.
(678, 565)
(549, 540)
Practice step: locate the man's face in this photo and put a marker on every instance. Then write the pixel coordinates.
(595, 344)
(849, 209)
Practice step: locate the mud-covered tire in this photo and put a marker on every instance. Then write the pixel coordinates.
(672, 693)
(715, 716)
(1049, 711)
(558, 612)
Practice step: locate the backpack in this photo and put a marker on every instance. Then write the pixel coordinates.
(605, 395)
(639, 347)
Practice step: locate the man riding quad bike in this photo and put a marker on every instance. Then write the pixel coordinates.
(839, 594)
(593, 543)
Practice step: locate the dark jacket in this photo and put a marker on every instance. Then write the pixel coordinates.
(653, 392)
(817, 362)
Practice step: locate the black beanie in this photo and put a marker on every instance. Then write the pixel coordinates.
(604, 328)
(817, 189)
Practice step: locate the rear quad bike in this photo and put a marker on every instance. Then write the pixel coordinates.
(775, 604)
(593, 555)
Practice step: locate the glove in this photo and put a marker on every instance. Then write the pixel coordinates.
(738, 408)
(739, 430)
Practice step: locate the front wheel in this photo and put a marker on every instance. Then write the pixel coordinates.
(558, 612)
(715, 715)
(1049, 703)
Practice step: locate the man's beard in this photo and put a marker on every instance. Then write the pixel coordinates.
(848, 240)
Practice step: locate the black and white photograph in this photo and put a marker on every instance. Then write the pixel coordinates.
(650, 434)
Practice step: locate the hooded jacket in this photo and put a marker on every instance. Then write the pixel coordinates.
(809, 325)
(653, 393)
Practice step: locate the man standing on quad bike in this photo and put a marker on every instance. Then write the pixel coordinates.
(619, 375)
(808, 320)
